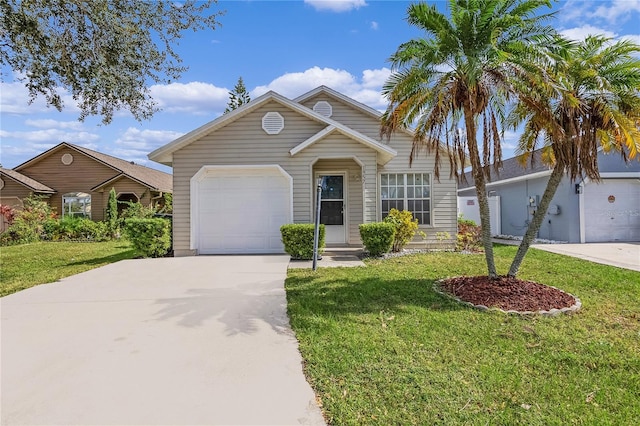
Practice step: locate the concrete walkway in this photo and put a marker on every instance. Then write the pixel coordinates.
(194, 340)
(333, 257)
(622, 255)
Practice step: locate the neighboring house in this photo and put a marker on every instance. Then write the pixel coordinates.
(14, 187)
(240, 177)
(78, 181)
(582, 211)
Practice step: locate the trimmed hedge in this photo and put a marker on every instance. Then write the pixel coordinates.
(377, 237)
(150, 237)
(298, 240)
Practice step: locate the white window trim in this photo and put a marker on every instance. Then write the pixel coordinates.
(66, 196)
(379, 194)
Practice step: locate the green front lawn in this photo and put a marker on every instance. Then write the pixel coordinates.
(381, 347)
(27, 265)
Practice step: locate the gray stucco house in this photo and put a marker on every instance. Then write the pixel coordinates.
(238, 178)
(582, 211)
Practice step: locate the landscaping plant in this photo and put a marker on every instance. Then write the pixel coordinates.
(406, 227)
(377, 237)
(298, 240)
(150, 237)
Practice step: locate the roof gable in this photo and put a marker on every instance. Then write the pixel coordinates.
(26, 181)
(154, 179)
(164, 154)
(385, 153)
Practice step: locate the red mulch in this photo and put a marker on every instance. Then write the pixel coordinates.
(507, 293)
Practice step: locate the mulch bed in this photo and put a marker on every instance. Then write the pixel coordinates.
(507, 293)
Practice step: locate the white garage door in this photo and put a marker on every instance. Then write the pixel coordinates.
(240, 210)
(612, 210)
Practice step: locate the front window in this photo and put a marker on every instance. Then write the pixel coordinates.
(407, 191)
(76, 204)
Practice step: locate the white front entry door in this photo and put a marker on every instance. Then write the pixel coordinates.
(333, 207)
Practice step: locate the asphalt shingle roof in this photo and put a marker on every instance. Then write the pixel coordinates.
(32, 184)
(511, 168)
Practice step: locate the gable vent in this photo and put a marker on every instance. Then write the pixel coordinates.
(323, 108)
(272, 123)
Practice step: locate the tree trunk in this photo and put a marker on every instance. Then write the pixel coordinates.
(481, 191)
(538, 217)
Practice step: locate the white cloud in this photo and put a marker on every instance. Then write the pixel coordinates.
(15, 100)
(374, 25)
(365, 89)
(375, 78)
(296, 83)
(193, 98)
(48, 123)
(145, 140)
(580, 33)
(336, 5)
(50, 136)
(617, 10)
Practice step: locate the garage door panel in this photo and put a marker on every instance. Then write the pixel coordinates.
(242, 212)
(612, 211)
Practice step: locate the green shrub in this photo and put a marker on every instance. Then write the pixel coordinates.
(468, 238)
(111, 216)
(72, 228)
(377, 237)
(406, 227)
(298, 239)
(150, 237)
(28, 223)
(136, 211)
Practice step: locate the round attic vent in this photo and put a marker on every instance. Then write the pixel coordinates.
(67, 159)
(323, 108)
(272, 123)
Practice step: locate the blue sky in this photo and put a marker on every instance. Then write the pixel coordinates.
(287, 46)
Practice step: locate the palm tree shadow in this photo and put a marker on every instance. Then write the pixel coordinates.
(240, 310)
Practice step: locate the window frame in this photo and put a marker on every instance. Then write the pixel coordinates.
(405, 199)
(74, 196)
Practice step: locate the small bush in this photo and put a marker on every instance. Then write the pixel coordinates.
(377, 237)
(28, 223)
(150, 237)
(136, 211)
(406, 227)
(298, 240)
(71, 228)
(468, 238)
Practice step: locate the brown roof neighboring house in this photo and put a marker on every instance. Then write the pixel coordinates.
(147, 176)
(26, 181)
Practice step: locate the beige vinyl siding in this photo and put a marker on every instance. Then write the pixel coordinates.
(243, 142)
(349, 116)
(443, 193)
(80, 176)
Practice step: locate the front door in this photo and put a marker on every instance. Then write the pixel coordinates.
(332, 207)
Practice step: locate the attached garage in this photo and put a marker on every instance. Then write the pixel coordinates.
(239, 209)
(612, 210)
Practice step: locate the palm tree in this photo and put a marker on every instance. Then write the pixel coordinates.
(464, 71)
(592, 103)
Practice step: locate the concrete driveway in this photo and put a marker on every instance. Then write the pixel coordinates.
(193, 340)
(622, 255)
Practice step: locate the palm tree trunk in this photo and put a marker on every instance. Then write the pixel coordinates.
(538, 217)
(481, 191)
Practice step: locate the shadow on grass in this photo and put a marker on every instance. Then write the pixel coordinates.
(129, 254)
(364, 295)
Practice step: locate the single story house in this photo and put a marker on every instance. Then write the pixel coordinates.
(582, 211)
(78, 180)
(238, 178)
